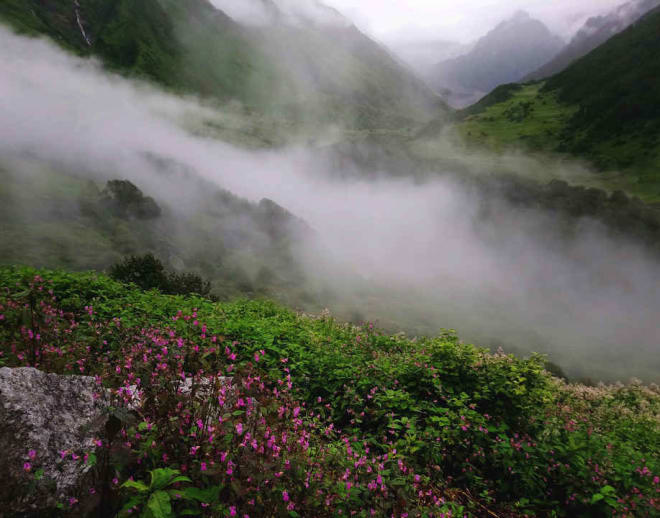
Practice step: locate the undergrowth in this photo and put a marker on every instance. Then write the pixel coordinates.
(249, 409)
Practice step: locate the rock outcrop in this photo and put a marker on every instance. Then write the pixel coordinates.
(48, 423)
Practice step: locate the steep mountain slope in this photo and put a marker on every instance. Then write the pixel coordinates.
(507, 53)
(144, 39)
(596, 31)
(605, 108)
(193, 47)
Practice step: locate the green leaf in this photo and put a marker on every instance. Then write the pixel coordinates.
(21, 295)
(159, 504)
(135, 485)
(597, 498)
(132, 502)
(162, 477)
(607, 490)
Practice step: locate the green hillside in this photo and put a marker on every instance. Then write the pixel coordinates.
(60, 220)
(330, 74)
(603, 108)
(366, 424)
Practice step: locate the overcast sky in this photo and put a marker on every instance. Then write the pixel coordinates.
(462, 20)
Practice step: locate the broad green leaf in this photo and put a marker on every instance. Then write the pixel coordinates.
(133, 484)
(161, 477)
(132, 502)
(159, 504)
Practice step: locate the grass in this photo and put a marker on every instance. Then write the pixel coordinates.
(529, 120)
(534, 120)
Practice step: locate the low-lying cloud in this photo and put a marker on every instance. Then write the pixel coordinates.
(416, 255)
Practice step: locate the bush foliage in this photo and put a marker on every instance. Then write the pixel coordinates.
(249, 409)
(148, 273)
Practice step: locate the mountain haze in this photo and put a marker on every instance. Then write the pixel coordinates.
(596, 31)
(507, 53)
(286, 68)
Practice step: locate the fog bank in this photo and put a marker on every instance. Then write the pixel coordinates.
(413, 255)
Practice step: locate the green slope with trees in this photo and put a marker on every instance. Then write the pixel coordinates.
(331, 74)
(604, 108)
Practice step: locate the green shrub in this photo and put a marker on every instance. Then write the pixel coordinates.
(149, 273)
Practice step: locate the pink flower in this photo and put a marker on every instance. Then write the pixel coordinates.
(27, 466)
(32, 454)
(239, 428)
(232, 510)
(285, 496)
(203, 466)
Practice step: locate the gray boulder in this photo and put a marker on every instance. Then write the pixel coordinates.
(47, 420)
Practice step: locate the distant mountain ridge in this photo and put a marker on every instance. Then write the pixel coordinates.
(507, 53)
(596, 31)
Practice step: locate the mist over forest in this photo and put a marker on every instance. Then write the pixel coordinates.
(327, 258)
(413, 248)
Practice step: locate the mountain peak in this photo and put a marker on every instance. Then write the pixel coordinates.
(595, 32)
(520, 16)
(507, 53)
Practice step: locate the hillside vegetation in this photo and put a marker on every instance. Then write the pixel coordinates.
(324, 419)
(61, 220)
(603, 108)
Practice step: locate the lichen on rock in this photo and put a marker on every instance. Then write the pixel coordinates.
(48, 423)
